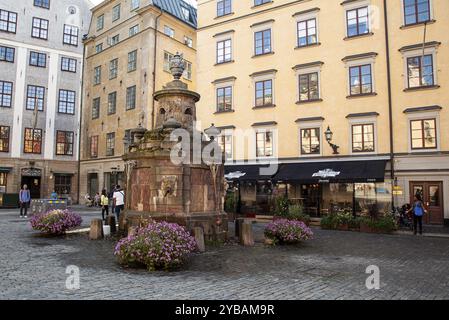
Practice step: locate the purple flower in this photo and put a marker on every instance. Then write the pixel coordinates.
(55, 221)
(288, 231)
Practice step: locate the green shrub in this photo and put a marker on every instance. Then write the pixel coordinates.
(344, 218)
(385, 224)
(230, 202)
(281, 206)
(329, 222)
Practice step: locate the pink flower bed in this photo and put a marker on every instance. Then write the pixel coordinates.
(288, 231)
(56, 222)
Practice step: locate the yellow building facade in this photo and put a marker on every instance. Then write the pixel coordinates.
(127, 52)
(347, 97)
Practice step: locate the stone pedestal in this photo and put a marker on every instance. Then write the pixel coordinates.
(199, 238)
(110, 221)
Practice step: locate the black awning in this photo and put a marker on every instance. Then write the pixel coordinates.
(5, 169)
(337, 171)
(249, 172)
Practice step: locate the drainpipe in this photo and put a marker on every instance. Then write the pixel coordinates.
(80, 134)
(390, 102)
(153, 103)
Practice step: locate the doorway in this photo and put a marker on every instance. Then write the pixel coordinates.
(34, 184)
(432, 196)
(92, 184)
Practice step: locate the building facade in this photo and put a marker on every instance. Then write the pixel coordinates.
(128, 50)
(41, 55)
(347, 98)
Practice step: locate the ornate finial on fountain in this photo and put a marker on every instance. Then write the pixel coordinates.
(177, 65)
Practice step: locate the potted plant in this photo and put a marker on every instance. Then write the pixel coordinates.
(55, 222)
(328, 222)
(343, 220)
(285, 231)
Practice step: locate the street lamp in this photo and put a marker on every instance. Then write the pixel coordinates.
(329, 134)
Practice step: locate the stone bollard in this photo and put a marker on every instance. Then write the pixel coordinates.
(238, 227)
(110, 221)
(199, 237)
(247, 238)
(96, 229)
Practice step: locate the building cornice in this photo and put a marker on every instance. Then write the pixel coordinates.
(422, 109)
(420, 45)
(360, 56)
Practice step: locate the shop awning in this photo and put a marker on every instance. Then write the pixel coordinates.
(336, 171)
(5, 169)
(249, 172)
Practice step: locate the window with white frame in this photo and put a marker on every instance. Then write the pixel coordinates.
(262, 42)
(310, 141)
(224, 51)
(115, 39)
(308, 76)
(423, 133)
(188, 71)
(363, 137)
(135, 4)
(360, 79)
(167, 57)
(100, 22)
(97, 75)
(132, 61)
(264, 143)
(113, 69)
(134, 30)
(420, 71)
(357, 21)
(169, 31)
(307, 32)
(263, 83)
(225, 143)
(99, 48)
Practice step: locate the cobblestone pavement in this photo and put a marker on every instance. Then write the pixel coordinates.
(332, 266)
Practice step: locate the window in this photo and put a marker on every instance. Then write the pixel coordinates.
(423, 134)
(259, 2)
(309, 87)
(360, 80)
(188, 41)
(224, 51)
(100, 22)
(40, 28)
(110, 144)
(224, 99)
(38, 59)
(188, 71)
(99, 48)
(70, 35)
(131, 98)
(115, 39)
(3, 182)
(35, 97)
(42, 3)
(262, 42)
(357, 21)
(6, 94)
(135, 4)
(97, 75)
(68, 64)
(416, 11)
(310, 141)
(112, 102)
(264, 93)
(420, 71)
(4, 139)
(132, 61)
(63, 184)
(94, 147)
(116, 13)
(185, 13)
(169, 31)
(225, 143)
(133, 30)
(8, 21)
(33, 141)
(307, 32)
(96, 108)
(363, 138)
(66, 102)
(264, 144)
(64, 143)
(224, 7)
(7, 54)
(167, 57)
(113, 69)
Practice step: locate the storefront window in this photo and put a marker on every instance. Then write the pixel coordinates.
(63, 184)
(2, 182)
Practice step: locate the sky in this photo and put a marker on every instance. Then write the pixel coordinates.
(192, 2)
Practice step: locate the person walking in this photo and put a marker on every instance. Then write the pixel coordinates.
(104, 201)
(118, 201)
(418, 211)
(24, 198)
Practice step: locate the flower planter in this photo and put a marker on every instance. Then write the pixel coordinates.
(343, 227)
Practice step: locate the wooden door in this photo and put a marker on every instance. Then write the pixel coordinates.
(432, 195)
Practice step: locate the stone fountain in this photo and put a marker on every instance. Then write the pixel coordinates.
(189, 192)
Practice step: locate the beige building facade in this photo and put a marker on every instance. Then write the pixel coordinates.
(347, 97)
(127, 53)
